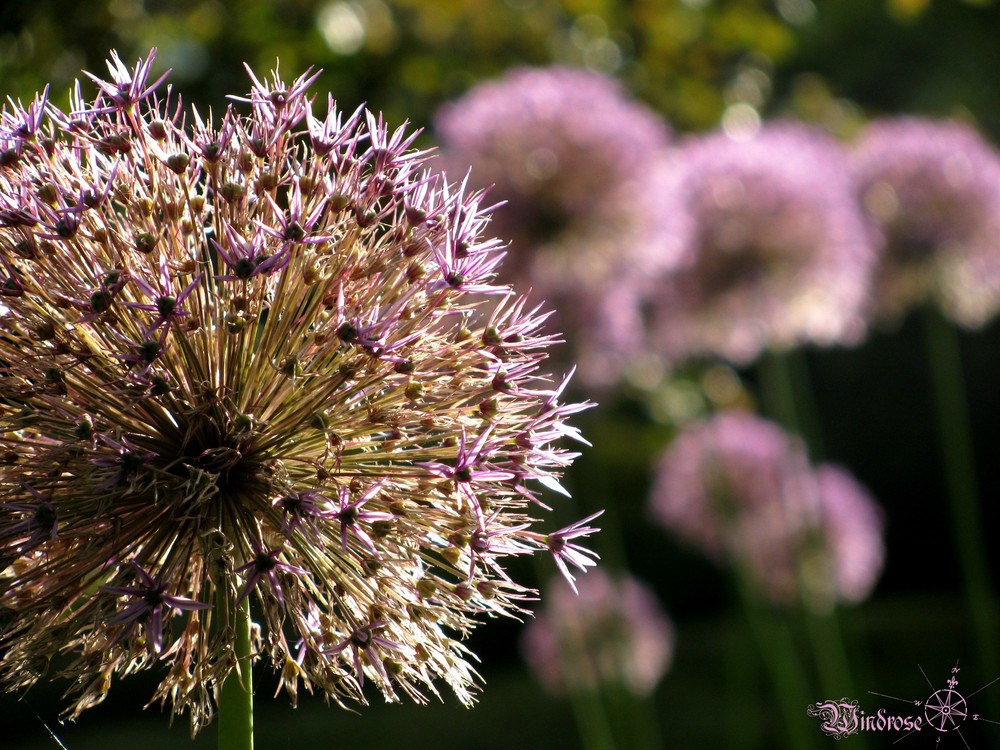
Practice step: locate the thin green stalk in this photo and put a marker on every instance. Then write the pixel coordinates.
(236, 695)
(786, 396)
(786, 393)
(636, 723)
(623, 710)
(830, 653)
(774, 640)
(744, 722)
(592, 720)
(957, 453)
(832, 663)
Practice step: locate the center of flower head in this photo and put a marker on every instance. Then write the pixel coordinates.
(291, 503)
(361, 637)
(556, 543)
(349, 514)
(154, 597)
(100, 301)
(166, 305)
(264, 563)
(211, 453)
(480, 542)
(293, 231)
(45, 516)
(148, 350)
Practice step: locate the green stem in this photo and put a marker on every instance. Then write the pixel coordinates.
(236, 694)
(954, 425)
(591, 720)
(744, 718)
(830, 653)
(634, 720)
(786, 396)
(774, 639)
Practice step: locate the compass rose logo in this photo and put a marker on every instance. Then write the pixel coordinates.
(946, 709)
(942, 715)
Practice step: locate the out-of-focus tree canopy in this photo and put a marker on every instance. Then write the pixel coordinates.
(406, 56)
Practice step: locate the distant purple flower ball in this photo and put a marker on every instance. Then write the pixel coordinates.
(742, 490)
(615, 631)
(570, 155)
(853, 529)
(780, 253)
(932, 191)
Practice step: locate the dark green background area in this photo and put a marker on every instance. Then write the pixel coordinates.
(858, 58)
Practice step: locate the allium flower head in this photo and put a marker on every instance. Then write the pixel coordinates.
(932, 191)
(779, 251)
(853, 528)
(241, 363)
(742, 490)
(613, 630)
(569, 154)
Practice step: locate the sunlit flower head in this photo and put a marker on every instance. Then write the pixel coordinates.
(780, 254)
(741, 490)
(241, 363)
(932, 190)
(613, 631)
(569, 154)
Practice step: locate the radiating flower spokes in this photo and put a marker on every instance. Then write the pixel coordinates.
(247, 258)
(278, 109)
(469, 468)
(492, 540)
(386, 148)
(235, 358)
(209, 142)
(302, 509)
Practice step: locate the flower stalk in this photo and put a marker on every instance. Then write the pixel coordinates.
(958, 459)
(236, 692)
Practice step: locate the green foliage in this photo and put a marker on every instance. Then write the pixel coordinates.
(403, 56)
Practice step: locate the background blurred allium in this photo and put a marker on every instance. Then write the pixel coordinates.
(740, 489)
(780, 255)
(932, 190)
(240, 364)
(853, 527)
(614, 631)
(570, 155)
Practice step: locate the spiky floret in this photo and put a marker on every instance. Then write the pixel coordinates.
(251, 357)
